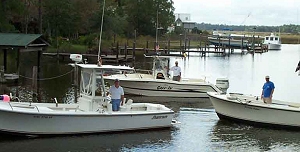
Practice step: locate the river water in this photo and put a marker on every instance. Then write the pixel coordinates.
(200, 128)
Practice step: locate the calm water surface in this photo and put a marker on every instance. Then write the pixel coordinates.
(200, 128)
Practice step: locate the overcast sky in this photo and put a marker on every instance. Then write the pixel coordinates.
(241, 12)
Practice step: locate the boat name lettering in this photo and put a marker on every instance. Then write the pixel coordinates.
(46, 117)
(159, 117)
(164, 87)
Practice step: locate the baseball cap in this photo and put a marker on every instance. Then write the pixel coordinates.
(267, 77)
(117, 80)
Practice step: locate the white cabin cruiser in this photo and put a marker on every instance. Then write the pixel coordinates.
(158, 82)
(251, 109)
(273, 42)
(91, 114)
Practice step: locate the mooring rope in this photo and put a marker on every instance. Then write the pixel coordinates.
(51, 78)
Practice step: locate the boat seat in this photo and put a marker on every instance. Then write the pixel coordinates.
(127, 105)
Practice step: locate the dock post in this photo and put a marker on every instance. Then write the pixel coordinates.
(133, 46)
(200, 42)
(242, 46)
(204, 51)
(180, 43)
(185, 45)
(2, 78)
(189, 44)
(5, 59)
(219, 42)
(169, 44)
(34, 84)
(133, 50)
(125, 50)
(38, 74)
(189, 47)
(147, 46)
(18, 71)
(229, 47)
(117, 55)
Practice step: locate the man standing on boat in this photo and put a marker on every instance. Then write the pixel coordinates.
(117, 95)
(268, 90)
(176, 72)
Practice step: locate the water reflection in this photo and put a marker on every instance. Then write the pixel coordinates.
(233, 136)
(127, 141)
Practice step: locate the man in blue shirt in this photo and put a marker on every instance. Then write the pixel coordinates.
(268, 90)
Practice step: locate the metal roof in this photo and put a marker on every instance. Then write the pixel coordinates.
(17, 39)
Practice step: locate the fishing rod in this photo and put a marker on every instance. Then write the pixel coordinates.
(100, 37)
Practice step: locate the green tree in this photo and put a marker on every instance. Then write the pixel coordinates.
(59, 16)
(9, 11)
(143, 15)
(114, 21)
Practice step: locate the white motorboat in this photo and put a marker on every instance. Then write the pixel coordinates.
(158, 83)
(273, 42)
(252, 110)
(91, 114)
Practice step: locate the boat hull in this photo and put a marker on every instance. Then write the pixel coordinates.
(51, 123)
(274, 46)
(256, 112)
(165, 88)
(225, 42)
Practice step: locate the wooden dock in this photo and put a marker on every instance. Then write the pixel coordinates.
(94, 57)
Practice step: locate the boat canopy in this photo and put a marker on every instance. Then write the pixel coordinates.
(104, 67)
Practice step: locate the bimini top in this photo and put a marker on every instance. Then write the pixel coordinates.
(95, 66)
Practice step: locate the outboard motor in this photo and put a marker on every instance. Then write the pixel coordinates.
(222, 84)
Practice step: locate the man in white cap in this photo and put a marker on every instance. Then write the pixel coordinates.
(176, 72)
(117, 95)
(268, 90)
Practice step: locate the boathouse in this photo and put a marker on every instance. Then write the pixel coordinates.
(21, 43)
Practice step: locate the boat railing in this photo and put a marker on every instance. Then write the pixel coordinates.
(30, 106)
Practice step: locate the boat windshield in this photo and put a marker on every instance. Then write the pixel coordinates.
(86, 82)
(99, 90)
(157, 64)
(160, 63)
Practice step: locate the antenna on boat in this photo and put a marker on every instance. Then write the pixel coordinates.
(156, 31)
(100, 36)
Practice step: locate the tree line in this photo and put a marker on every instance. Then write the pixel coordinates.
(72, 18)
(286, 28)
(126, 18)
